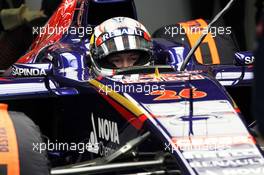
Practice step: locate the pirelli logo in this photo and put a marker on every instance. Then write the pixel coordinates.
(9, 157)
(3, 141)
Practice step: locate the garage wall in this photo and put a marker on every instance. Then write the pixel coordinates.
(250, 24)
(154, 13)
(33, 4)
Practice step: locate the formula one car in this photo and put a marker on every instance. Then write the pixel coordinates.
(165, 118)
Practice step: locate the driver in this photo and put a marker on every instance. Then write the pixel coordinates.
(123, 59)
(120, 42)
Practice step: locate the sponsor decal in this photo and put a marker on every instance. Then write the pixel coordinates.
(212, 109)
(105, 150)
(177, 55)
(244, 171)
(229, 153)
(9, 154)
(27, 71)
(232, 140)
(207, 172)
(245, 58)
(227, 163)
(172, 95)
(106, 130)
(3, 140)
(249, 60)
(119, 32)
(93, 139)
(181, 77)
(162, 78)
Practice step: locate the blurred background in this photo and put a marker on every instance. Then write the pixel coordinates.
(16, 35)
(154, 13)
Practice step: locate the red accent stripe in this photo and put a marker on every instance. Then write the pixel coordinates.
(137, 122)
(99, 78)
(99, 41)
(143, 118)
(3, 79)
(237, 110)
(147, 37)
(62, 17)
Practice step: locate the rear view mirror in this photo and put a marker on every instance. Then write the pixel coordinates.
(244, 58)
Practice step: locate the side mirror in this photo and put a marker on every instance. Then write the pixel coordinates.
(31, 70)
(244, 58)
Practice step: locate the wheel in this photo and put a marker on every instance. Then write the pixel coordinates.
(19, 138)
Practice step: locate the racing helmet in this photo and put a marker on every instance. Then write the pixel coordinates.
(119, 35)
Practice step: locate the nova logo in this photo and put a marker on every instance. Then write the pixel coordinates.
(27, 71)
(108, 130)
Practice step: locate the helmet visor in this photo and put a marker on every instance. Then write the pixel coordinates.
(123, 43)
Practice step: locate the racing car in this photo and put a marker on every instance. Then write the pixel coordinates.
(177, 119)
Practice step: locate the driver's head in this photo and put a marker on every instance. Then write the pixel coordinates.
(120, 42)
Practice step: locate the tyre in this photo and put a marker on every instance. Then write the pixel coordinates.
(25, 159)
